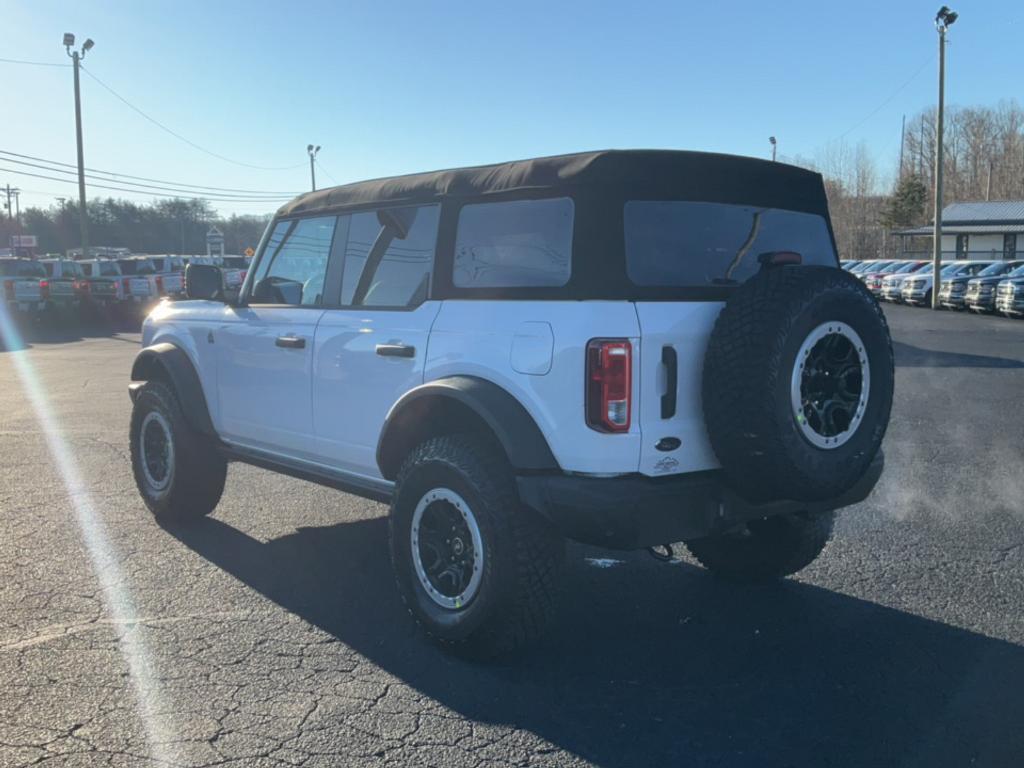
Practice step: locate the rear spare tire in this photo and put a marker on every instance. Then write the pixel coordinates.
(797, 383)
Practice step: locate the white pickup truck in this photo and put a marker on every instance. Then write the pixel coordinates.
(139, 283)
(170, 275)
(24, 285)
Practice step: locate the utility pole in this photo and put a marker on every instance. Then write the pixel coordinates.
(943, 19)
(771, 140)
(988, 185)
(10, 191)
(83, 214)
(17, 206)
(312, 159)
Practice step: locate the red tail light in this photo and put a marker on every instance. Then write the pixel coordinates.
(159, 284)
(126, 285)
(9, 289)
(609, 384)
(44, 288)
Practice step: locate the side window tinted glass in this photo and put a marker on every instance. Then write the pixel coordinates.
(517, 243)
(294, 263)
(675, 243)
(389, 256)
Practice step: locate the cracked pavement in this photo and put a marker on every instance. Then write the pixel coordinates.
(271, 634)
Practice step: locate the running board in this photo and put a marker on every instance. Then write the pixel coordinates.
(368, 488)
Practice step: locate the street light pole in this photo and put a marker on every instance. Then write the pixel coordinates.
(83, 215)
(771, 140)
(312, 159)
(943, 19)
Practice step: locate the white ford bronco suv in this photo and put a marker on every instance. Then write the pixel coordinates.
(626, 348)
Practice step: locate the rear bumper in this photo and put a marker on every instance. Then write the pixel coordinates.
(635, 511)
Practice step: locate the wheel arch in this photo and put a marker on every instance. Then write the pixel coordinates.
(456, 404)
(170, 363)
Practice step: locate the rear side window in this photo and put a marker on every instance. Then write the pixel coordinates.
(514, 244)
(676, 243)
(389, 256)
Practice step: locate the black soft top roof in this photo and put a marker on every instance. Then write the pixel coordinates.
(654, 174)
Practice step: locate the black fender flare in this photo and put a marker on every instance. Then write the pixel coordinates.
(171, 362)
(513, 426)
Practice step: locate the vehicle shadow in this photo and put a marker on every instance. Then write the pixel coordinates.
(65, 329)
(663, 665)
(909, 356)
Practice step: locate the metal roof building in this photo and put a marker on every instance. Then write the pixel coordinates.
(985, 229)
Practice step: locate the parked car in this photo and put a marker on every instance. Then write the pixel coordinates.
(139, 282)
(873, 277)
(892, 285)
(980, 294)
(25, 288)
(170, 275)
(849, 264)
(241, 263)
(68, 286)
(105, 288)
(1010, 294)
(917, 289)
(731, 400)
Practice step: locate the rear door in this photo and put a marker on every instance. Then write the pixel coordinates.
(265, 349)
(697, 253)
(371, 350)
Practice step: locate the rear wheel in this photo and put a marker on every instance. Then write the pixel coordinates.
(179, 473)
(475, 568)
(764, 550)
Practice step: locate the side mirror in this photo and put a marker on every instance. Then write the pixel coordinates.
(204, 281)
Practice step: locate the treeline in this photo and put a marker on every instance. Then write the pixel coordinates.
(166, 226)
(984, 159)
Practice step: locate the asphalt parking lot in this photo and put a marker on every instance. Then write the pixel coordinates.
(272, 634)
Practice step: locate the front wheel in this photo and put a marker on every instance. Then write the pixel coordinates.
(767, 549)
(179, 473)
(476, 568)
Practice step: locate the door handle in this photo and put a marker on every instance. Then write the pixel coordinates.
(290, 342)
(396, 350)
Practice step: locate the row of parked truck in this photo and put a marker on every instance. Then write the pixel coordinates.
(58, 286)
(975, 285)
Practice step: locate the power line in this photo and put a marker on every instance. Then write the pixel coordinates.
(195, 193)
(326, 172)
(34, 63)
(178, 136)
(145, 178)
(889, 98)
(211, 198)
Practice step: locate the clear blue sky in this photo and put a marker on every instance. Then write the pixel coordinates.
(394, 87)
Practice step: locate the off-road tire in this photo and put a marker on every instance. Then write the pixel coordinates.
(747, 383)
(522, 559)
(197, 473)
(765, 550)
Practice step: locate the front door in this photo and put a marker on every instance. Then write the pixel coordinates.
(1009, 247)
(371, 351)
(265, 351)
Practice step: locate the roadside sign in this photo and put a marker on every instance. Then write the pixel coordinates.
(23, 241)
(250, 252)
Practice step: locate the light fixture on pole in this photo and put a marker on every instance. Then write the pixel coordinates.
(312, 158)
(771, 140)
(76, 57)
(943, 20)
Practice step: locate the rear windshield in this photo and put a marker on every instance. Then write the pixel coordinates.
(140, 267)
(22, 269)
(675, 243)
